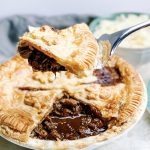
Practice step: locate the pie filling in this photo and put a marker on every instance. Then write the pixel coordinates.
(70, 120)
(107, 76)
(39, 61)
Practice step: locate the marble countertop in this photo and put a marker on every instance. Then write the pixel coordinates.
(136, 139)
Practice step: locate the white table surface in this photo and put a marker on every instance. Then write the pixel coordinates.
(137, 139)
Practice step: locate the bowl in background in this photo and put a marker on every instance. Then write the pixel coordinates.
(135, 56)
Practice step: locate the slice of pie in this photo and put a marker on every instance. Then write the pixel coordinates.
(41, 111)
(49, 49)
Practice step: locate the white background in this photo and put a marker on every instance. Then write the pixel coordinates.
(57, 7)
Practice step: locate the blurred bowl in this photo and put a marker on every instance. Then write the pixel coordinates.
(135, 56)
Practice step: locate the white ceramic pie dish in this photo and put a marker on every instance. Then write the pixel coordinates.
(23, 119)
(46, 145)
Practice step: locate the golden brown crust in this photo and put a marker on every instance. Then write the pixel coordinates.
(21, 110)
(134, 89)
(23, 105)
(14, 122)
(20, 115)
(74, 47)
(16, 119)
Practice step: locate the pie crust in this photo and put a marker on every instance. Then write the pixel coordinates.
(75, 47)
(26, 97)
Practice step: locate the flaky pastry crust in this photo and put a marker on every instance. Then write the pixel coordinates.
(75, 47)
(26, 97)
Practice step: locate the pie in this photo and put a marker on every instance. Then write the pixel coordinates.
(42, 110)
(49, 49)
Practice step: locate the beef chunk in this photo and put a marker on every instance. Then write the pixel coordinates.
(71, 119)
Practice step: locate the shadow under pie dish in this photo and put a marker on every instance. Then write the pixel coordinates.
(39, 110)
